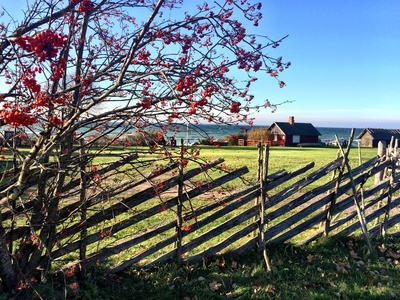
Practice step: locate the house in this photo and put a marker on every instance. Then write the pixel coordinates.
(293, 134)
(370, 137)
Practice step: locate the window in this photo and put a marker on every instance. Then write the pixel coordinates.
(296, 139)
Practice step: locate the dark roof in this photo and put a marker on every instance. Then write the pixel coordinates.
(296, 128)
(379, 133)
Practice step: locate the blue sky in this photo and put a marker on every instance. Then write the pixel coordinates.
(345, 59)
(345, 62)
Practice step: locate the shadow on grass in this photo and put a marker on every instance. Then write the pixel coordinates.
(331, 268)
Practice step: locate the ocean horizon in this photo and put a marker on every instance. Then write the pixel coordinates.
(195, 133)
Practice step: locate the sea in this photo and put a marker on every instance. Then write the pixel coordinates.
(192, 134)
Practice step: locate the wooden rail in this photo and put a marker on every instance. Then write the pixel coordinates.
(114, 222)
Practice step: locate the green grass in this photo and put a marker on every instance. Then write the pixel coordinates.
(294, 276)
(334, 268)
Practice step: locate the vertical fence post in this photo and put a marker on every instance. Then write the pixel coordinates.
(379, 176)
(83, 187)
(393, 163)
(332, 202)
(360, 213)
(179, 220)
(259, 171)
(327, 206)
(263, 183)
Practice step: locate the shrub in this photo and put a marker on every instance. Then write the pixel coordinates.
(143, 138)
(232, 139)
(258, 134)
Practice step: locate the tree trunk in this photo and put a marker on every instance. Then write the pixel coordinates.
(8, 276)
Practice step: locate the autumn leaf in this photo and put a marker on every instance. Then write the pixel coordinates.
(310, 258)
(234, 265)
(350, 244)
(341, 267)
(220, 263)
(382, 248)
(215, 286)
(360, 263)
(354, 254)
(256, 285)
(269, 289)
(230, 295)
(392, 254)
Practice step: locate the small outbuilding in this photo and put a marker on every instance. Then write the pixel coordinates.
(370, 137)
(293, 134)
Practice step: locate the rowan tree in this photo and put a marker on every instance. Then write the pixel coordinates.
(74, 67)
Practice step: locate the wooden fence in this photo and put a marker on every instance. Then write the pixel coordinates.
(171, 214)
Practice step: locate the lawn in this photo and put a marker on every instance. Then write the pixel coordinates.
(331, 268)
(334, 268)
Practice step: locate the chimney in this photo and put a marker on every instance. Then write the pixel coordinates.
(291, 120)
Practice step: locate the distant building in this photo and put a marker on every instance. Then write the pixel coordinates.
(293, 134)
(370, 137)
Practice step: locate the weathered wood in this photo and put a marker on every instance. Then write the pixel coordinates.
(360, 213)
(179, 209)
(328, 207)
(379, 176)
(353, 227)
(249, 245)
(289, 176)
(345, 204)
(259, 171)
(65, 212)
(149, 213)
(393, 160)
(263, 182)
(128, 242)
(314, 220)
(296, 230)
(241, 196)
(393, 221)
(83, 210)
(300, 200)
(289, 191)
(293, 223)
(139, 198)
(382, 153)
(328, 217)
(223, 244)
(223, 227)
(35, 178)
(152, 249)
(295, 218)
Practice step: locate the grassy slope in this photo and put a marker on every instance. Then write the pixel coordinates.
(335, 268)
(325, 270)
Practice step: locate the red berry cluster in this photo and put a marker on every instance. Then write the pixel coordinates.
(29, 80)
(58, 69)
(235, 107)
(143, 57)
(16, 116)
(145, 103)
(86, 5)
(55, 121)
(44, 44)
(186, 85)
